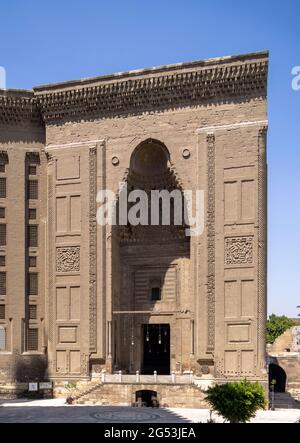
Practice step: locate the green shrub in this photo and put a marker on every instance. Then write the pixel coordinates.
(237, 402)
(277, 325)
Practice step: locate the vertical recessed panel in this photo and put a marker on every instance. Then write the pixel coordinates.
(248, 298)
(231, 362)
(68, 167)
(248, 206)
(61, 214)
(75, 213)
(61, 361)
(232, 299)
(75, 362)
(247, 362)
(231, 201)
(62, 304)
(75, 303)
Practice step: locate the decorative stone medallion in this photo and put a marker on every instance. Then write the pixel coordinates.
(239, 250)
(115, 161)
(186, 153)
(68, 259)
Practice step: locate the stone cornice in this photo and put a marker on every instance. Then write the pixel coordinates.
(227, 79)
(154, 71)
(19, 108)
(220, 84)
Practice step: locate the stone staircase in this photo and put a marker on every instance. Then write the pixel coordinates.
(87, 391)
(124, 394)
(285, 401)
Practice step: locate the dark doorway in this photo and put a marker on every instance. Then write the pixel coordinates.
(278, 374)
(156, 356)
(147, 399)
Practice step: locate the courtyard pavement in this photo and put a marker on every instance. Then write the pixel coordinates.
(55, 411)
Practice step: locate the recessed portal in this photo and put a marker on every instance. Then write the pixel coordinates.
(156, 355)
(278, 374)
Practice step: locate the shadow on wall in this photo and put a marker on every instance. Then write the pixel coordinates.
(30, 368)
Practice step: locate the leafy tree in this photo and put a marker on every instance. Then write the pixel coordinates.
(276, 326)
(237, 402)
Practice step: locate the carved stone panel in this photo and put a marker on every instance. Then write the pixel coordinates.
(93, 247)
(68, 167)
(211, 253)
(239, 251)
(238, 333)
(68, 259)
(68, 334)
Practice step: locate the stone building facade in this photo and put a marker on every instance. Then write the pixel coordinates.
(77, 297)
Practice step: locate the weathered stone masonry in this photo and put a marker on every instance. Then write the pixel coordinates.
(75, 296)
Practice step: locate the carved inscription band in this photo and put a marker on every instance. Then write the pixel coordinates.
(211, 241)
(93, 248)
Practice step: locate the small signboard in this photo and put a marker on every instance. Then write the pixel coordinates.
(33, 387)
(46, 385)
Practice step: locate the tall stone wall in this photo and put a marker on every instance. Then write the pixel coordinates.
(211, 118)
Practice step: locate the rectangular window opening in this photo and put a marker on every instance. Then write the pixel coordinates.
(32, 236)
(32, 190)
(33, 283)
(32, 312)
(2, 187)
(2, 338)
(2, 283)
(155, 294)
(32, 214)
(32, 339)
(32, 169)
(2, 234)
(2, 312)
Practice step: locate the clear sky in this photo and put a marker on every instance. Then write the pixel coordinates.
(49, 41)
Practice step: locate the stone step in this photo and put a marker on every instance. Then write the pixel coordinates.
(285, 401)
(172, 395)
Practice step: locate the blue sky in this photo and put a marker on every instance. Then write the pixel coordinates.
(43, 42)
